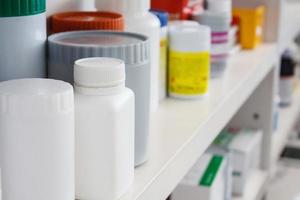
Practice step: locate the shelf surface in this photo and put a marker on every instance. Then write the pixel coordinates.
(182, 130)
(255, 186)
(288, 118)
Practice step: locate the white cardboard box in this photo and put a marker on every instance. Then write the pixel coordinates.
(244, 146)
(206, 180)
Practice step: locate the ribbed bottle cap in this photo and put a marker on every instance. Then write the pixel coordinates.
(123, 6)
(35, 96)
(162, 16)
(14, 8)
(66, 48)
(99, 72)
(182, 23)
(75, 21)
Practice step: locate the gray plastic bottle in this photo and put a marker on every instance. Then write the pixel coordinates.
(66, 48)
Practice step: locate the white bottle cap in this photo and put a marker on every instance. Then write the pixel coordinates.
(123, 6)
(190, 38)
(38, 96)
(99, 72)
(220, 6)
(182, 23)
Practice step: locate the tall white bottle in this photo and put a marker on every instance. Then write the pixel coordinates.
(138, 19)
(104, 129)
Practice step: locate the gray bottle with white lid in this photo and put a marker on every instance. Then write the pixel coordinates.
(66, 48)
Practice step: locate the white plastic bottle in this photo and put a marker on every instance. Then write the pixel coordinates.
(104, 129)
(189, 61)
(22, 39)
(138, 19)
(86, 5)
(37, 139)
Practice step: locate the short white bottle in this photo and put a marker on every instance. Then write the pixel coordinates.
(104, 130)
(138, 19)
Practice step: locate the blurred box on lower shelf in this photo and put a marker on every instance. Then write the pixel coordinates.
(208, 180)
(244, 148)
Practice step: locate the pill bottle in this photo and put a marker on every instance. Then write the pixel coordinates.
(219, 22)
(104, 129)
(37, 139)
(22, 39)
(138, 19)
(287, 77)
(189, 62)
(66, 48)
(163, 18)
(76, 21)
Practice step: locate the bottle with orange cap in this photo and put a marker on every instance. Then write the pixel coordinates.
(76, 21)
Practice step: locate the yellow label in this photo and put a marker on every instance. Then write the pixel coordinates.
(189, 72)
(163, 66)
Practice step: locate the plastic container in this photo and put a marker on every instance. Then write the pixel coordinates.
(104, 129)
(66, 48)
(139, 20)
(76, 21)
(23, 39)
(219, 22)
(163, 17)
(250, 21)
(37, 139)
(189, 62)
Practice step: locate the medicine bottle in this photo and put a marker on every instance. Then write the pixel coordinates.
(287, 77)
(163, 18)
(66, 48)
(22, 39)
(219, 22)
(189, 61)
(138, 19)
(37, 139)
(76, 21)
(104, 129)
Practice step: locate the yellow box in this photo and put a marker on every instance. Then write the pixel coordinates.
(251, 21)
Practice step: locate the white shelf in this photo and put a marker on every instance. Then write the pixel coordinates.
(182, 130)
(287, 120)
(255, 186)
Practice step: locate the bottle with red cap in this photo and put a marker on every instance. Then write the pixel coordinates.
(76, 21)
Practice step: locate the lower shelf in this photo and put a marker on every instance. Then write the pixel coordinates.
(255, 186)
(287, 120)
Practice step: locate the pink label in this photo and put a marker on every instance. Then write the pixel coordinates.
(219, 37)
